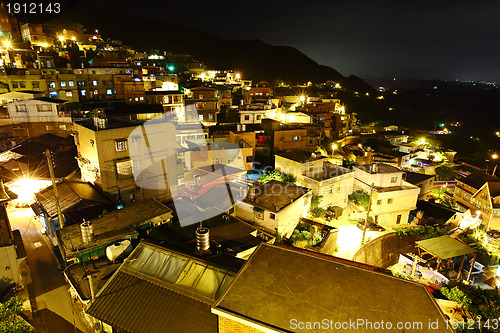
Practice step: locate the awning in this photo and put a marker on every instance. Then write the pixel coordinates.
(444, 247)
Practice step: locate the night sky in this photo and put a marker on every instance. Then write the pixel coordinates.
(438, 39)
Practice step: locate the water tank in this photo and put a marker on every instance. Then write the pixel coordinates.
(87, 232)
(202, 239)
(117, 249)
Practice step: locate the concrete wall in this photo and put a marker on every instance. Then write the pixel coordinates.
(384, 251)
(9, 266)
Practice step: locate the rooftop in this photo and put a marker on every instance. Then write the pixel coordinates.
(416, 178)
(377, 168)
(51, 100)
(328, 171)
(163, 92)
(477, 179)
(275, 195)
(278, 285)
(301, 156)
(229, 237)
(435, 211)
(111, 226)
(165, 292)
(110, 123)
(70, 193)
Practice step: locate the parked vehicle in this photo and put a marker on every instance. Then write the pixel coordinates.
(370, 227)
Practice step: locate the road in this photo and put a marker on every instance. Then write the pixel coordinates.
(48, 292)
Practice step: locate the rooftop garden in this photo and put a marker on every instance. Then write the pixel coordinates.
(275, 175)
(422, 231)
(307, 235)
(360, 198)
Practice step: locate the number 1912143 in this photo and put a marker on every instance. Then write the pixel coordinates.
(33, 8)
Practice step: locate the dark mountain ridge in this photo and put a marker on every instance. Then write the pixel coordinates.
(255, 59)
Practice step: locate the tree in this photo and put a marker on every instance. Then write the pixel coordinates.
(275, 175)
(445, 172)
(10, 317)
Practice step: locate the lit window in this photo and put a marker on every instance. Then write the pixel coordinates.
(96, 92)
(295, 138)
(69, 94)
(109, 91)
(200, 117)
(394, 179)
(62, 127)
(94, 82)
(210, 116)
(21, 108)
(201, 96)
(71, 83)
(48, 128)
(124, 168)
(53, 94)
(63, 84)
(136, 99)
(83, 92)
(43, 108)
(52, 84)
(121, 145)
(141, 98)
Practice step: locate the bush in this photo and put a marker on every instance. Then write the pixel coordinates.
(360, 199)
(318, 212)
(425, 231)
(275, 175)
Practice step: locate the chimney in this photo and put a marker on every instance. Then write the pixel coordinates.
(202, 239)
(87, 232)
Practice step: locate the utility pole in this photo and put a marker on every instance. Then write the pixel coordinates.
(56, 195)
(367, 214)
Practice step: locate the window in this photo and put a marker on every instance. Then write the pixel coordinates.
(35, 84)
(466, 196)
(52, 84)
(124, 168)
(96, 92)
(22, 84)
(258, 117)
(389, 201)
(43, 108)
(486, 208)
(210, 116)
(331, 190)
(339, 188)
(48, 128)
(141, 98)
(71, 83)
(200, 96)
(83, 92)
(109, 91)
(121, 145)
(200, 117)
(21, 108)
(62, 127)
(53, 94)
(295, 138)
(398, 219)
(180, 181)
(379, 202)
(94, 83)
(272, 216)
(15, 84)
(394, 179)
(63, 84)
(69, 94)
(458, 192)
(247, 117)
(259, 215)
(496, 213)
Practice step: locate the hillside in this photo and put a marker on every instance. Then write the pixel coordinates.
(255, 59)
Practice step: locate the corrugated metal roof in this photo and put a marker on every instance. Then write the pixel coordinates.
(159, 290)
(70, 193)
(135, 305)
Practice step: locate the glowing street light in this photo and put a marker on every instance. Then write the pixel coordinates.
(61, 38)
(7, 44)
(494, 156)
(422, 141)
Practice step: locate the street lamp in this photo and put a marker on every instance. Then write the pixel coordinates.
(7, 44)
(494, 157)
